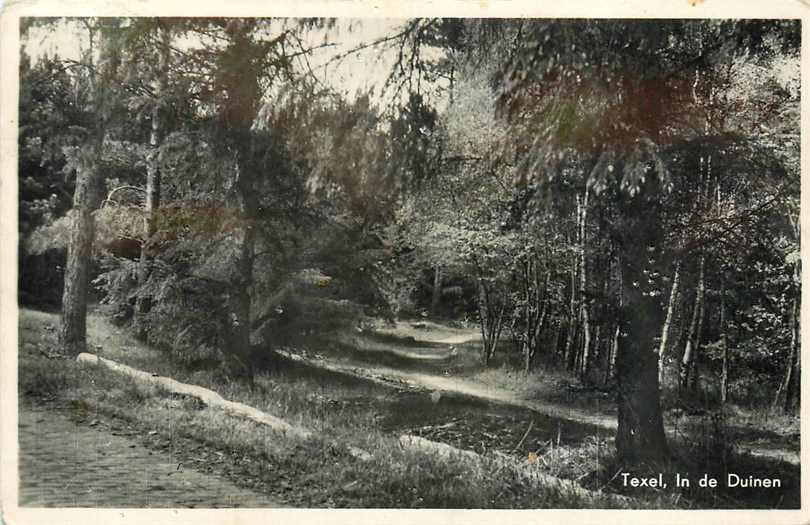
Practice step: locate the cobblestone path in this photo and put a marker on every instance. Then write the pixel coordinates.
(63, 464)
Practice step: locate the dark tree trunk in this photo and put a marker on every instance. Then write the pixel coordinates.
(238, 114)
(86, 199)
(640, 434)
(596, 352)
(542, 310)
(787, 395)
(491, 316)
(240, 294)
(555, 345)
(535, 311)
(793, 394)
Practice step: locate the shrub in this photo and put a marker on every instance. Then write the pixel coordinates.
(189, 320)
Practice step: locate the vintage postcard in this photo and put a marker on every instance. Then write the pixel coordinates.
(340, 261)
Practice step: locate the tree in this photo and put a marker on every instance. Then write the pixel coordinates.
(158, 128)
(460, 212)
(237, 67)
(86, 161)
(614, 91)
(52, 115)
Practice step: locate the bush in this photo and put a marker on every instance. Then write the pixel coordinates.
(118, 282)
(189, 320)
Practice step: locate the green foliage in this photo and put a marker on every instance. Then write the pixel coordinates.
(118, 282)
(175, 323)
(476, 170)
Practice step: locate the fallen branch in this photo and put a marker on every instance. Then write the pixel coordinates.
(410, 442)
(502, 460)
(212, 399)
(209, 397)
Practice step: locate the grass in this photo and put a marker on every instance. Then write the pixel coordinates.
(320, 470)
(539, 384)
(324, 474)
(544, 384)
(765, 422)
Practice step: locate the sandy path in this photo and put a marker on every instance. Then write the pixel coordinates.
(432, 332)
(443, 385)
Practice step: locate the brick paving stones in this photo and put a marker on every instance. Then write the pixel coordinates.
(64, 464)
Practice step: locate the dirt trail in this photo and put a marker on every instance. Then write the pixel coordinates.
(452, 386)
(430, 332)
(442, 385)
(116, 343)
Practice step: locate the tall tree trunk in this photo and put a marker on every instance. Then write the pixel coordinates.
(555, 345)
(572, 318)
(86, 199)
(238, 114)
(615, 285)
(528, 314)
(496, 336)
(611, 356)
(572, 349)
(242, 282)
(793, 394)
(539, 323)
(584, 315)
(528, 349)
(597, 345)
(640, 433)
(144, 303)
(723, 341)
(483, 317)
(687, 362)
(673, 298)
(491, 322)
(694, 373)
(788, 390)
(788, 394)
(437, 291)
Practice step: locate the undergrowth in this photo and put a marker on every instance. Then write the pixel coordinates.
(342, 415)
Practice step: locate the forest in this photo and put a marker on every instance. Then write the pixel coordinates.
(484, 262)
